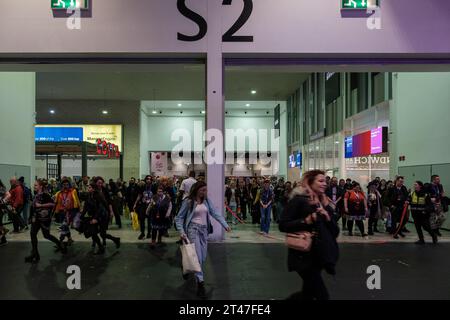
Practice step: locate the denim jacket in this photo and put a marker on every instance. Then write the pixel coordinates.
(186, 213)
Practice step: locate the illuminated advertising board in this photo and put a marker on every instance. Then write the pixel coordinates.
(107, 138)
(366, 143)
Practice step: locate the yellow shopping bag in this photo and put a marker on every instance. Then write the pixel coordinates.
(135, 221)
(127, 212)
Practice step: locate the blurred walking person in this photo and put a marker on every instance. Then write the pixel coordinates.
(41, 219)
(309, 212)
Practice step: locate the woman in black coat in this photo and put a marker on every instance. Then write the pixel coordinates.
(95, 215)
(308, 210)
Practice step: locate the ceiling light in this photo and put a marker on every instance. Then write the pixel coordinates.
(105, 112)
(247, 105)
(203, 112)
(154, 112)
(180, 105)
(253, 91)
(52, 111)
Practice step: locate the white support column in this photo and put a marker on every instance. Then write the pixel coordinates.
(18, 116)
(215, 109)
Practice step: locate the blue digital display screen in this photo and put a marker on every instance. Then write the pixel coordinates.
(348, 147)
(298, 160)
(58, 134)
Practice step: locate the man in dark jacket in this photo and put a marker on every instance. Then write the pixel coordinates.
(132, 194)
(278, 200)
(335, 195)
(437, 195)
(421, 207)
(398, 196)
(243, 195)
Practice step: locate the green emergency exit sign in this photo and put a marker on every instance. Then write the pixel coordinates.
(358, 4)
(66, 4)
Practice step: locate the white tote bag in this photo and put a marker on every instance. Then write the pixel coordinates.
(190, 259)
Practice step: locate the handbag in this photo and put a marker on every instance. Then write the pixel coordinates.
(135, 221)
(77, 221)
(300, 241)
(189, 258)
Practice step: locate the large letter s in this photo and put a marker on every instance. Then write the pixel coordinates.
(195, 17)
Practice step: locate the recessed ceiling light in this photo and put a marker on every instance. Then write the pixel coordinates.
(203, 112)
(52, 111)
(180, 105)
(154, 112)
(253, 91)
(247, 105)
(105, 112)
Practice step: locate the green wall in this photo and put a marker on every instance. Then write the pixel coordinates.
(17, 110)
(420, 127)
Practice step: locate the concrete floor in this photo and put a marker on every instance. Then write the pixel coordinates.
(233, 271)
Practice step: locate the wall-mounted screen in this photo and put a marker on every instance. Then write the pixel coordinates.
(367, 143)
(110, 134)
(298, 159)
(291, 161)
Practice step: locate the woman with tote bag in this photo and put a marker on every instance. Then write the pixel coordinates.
(194, 224)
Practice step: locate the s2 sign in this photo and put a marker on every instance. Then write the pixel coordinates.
(229, 36)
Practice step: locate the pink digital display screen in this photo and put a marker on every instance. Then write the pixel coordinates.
(376, 141)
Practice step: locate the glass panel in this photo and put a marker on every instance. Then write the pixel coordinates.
(377, 88)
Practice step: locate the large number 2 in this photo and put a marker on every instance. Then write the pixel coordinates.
(246, 13)
(229, 36)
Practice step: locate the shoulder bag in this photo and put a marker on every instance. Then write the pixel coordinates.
(300, 241)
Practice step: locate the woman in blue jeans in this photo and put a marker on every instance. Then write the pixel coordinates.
(194, 223)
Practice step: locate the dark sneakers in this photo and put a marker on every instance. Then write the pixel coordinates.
(420, 241)
(141, 236)
(62, 248)
(201, 292)
(117, 242)
(100, 251)
(435, 239)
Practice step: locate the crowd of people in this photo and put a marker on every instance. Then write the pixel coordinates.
(91, 205)
(389, 202)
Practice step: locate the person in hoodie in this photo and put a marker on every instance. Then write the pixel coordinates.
(309, 210)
